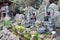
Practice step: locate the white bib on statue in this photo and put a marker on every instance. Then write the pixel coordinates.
(7, 17)
(7, 9)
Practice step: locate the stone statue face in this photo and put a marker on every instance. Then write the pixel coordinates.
(45, 2)
(6, 4)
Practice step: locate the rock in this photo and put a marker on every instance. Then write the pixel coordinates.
(8, 35)
(56, 16)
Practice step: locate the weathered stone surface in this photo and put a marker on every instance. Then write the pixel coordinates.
(6, 35)
(59, 3)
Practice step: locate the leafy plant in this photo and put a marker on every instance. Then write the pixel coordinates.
(18, 28)
(27, 35)
(6, 23)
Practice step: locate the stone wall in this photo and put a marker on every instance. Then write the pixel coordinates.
(59, 3)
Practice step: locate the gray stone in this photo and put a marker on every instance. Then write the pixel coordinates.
(7, 35)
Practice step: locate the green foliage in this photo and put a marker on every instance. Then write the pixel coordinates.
(27, 35)
(36, 24)
(36, 34)
(6, 22)
(14, 30)
(18, 28)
